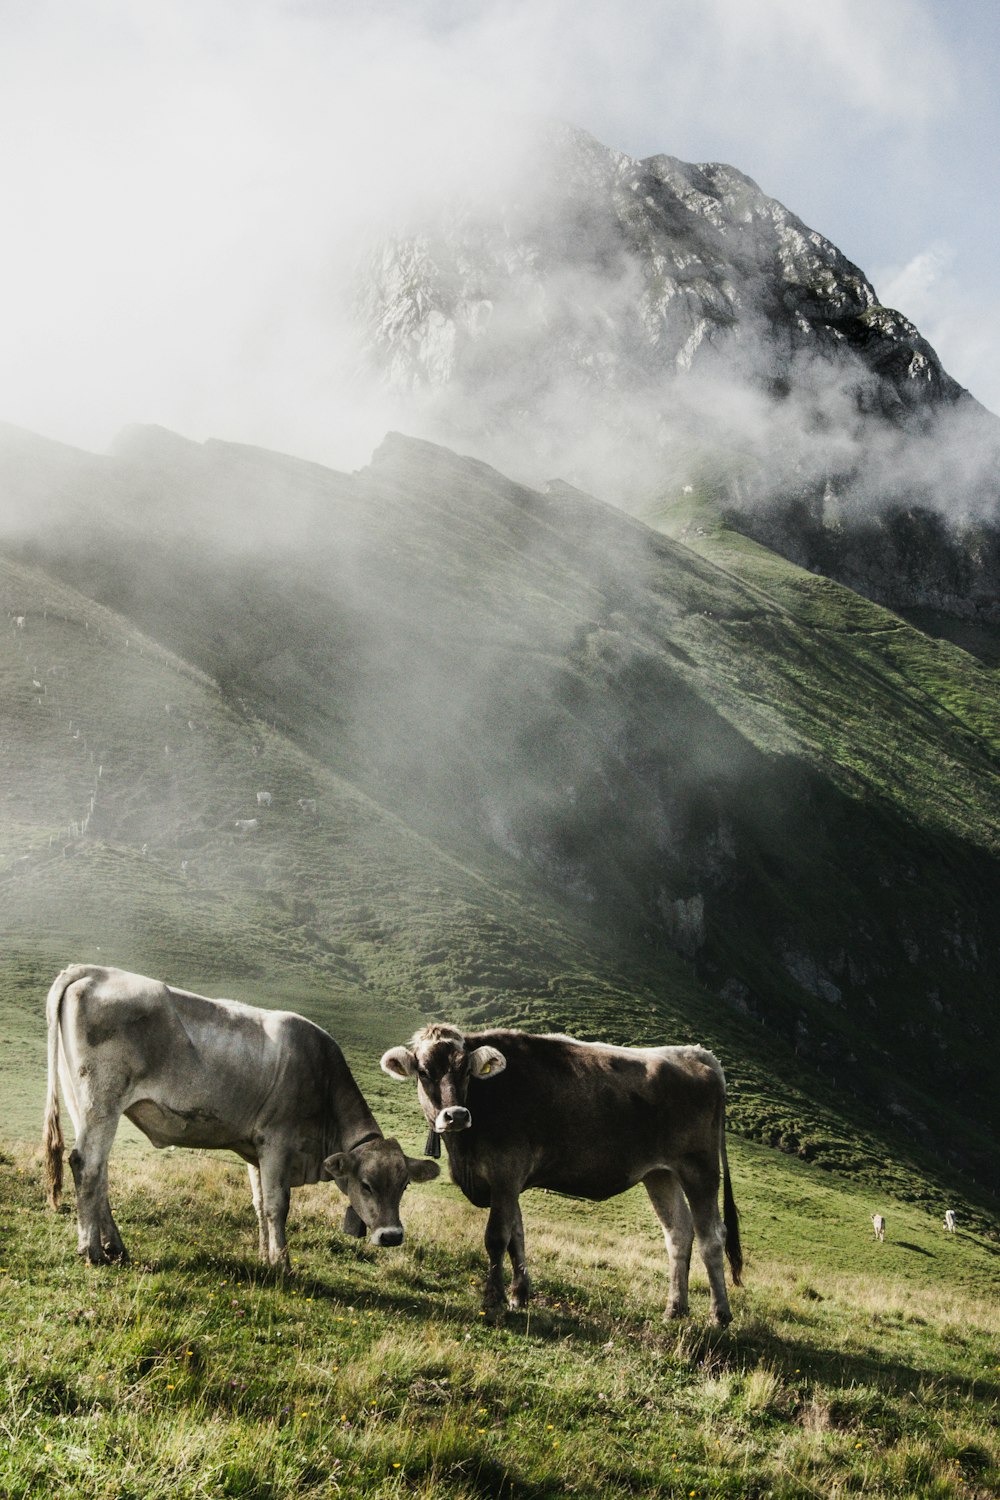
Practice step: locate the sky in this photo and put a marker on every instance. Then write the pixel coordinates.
(178, 178)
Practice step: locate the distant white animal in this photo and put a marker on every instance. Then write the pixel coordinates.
(263, 799)
(246, 825)
(307, 804)
(949, 1220)
(19, 621)
(878, 1224)
(688, 489)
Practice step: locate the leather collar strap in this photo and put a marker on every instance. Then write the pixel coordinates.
(373, 1135)
(433, 1147)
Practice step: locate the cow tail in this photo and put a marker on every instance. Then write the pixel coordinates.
(53, 1144)
(731, 1219)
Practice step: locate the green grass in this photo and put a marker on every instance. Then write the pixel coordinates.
(851, 1367)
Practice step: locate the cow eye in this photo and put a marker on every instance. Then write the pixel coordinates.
(366, 1187)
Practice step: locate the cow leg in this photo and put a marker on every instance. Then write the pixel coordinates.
(275, 1198)
(520, 1290)
(253, 1172)
(499, 1229)
(96, 1228)
(700, 1179)
(111, 1237)
(670, 1207)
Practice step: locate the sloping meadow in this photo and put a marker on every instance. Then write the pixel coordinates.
(852, 1367)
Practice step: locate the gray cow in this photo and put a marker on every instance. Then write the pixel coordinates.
(581, 1118)
(189, 1071)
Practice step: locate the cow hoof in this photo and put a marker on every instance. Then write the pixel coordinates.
(116, 1255)
(675, 1310)
(494, 1306)
(520, 1294)
(722, 1319)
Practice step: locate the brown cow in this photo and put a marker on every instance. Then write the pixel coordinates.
(189, 1071)
(581, 1118)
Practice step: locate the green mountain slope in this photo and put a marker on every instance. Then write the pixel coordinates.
(567, 770)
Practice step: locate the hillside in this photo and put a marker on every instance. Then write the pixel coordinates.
(851, 1367)
(567, 771)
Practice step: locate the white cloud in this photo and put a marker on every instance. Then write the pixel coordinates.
(179, 180)
(914, 289)
(932, 292)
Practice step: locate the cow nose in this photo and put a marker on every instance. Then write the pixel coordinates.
(455, 1117)
(388, 1237)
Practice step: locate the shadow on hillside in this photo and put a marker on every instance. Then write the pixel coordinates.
(443, 1299)
(917, 1249)
(746, 1347)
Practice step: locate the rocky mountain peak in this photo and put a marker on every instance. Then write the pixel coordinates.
(645, 327)
(617, 274)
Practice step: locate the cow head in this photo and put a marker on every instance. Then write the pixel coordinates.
(440, 1060)
(374, 1176)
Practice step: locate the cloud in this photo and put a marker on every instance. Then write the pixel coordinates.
(914, 288)
(931, 290)
(183, 183)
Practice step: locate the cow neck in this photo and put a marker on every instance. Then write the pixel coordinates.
(373, 1135)
(350, 1121)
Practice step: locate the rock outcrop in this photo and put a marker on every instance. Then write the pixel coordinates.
(644, 326)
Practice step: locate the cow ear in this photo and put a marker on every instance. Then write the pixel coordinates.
(338, 1165)
(398, 1062)
(421, 1169)
(486, 1061)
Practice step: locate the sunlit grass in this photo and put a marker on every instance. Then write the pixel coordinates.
(196, 1372)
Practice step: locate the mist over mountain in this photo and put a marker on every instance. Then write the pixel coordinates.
(695, 755)
(646, 328)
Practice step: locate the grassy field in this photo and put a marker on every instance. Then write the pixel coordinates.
(851, 1368)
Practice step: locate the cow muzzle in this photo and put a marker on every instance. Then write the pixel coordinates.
(455, 1117)
(387, 1237)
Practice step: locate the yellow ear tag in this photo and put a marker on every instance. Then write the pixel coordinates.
(486, 1069)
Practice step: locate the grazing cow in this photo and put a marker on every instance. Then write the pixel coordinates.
(263, 799)
(581, 1118)
(247, 825)
(188, 1071)
(949, 1220)
(878, 1225)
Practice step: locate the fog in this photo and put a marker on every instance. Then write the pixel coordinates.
(187, 185)
(300, 226)
(295, 227)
